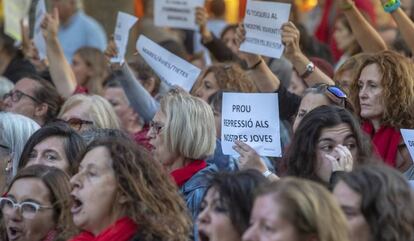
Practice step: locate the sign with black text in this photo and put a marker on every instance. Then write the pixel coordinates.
(263, 22)
(176, 13)
(247, 119)
(124, 22)
(408, 136)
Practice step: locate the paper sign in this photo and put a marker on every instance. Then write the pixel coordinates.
(124, 22)
(176, 13)
(246, 118)
(171, 69)
(38, 38)
(408, 136)
(14, 11)
(263, 22)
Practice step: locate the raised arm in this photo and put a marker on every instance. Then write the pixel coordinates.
(60, 70)
(365, 34)
(290, 38)
(405, 25)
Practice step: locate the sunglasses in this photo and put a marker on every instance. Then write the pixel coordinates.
(334, 93)
(76, 123)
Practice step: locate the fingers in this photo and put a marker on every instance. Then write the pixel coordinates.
(240, 34)
(334, 162)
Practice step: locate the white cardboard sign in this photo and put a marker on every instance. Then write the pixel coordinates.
(14, 11)
(176, 13)
(263, 22)
(171, 69)
(124, 23)
(408, 136)
(38, 38)
(246, 118)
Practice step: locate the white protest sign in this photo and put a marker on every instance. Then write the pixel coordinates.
(171, 69)
(263, 22)
(124, 22)
(408, 136)
(246, 118)
(38, 38)
(176, 13)
(14, 11)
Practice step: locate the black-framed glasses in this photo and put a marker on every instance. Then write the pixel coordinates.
(17, 95)
(156, 126)
(27, 209)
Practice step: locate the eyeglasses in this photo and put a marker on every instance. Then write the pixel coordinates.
(155, 126)
(17, 95)
(27, 209)
(76, 123)
(334, 93)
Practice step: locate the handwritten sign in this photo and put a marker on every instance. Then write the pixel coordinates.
(245, 118)
(14, 11)
(176, 13)
(124, 22)
(408, 136)
(263, 22)
(38, 38)
(171, 69)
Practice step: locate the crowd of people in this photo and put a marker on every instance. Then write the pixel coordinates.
(95, 150)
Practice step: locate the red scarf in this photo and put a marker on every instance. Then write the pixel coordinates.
(123, 230)
(51, 235)
(182, 175)
(385, 140)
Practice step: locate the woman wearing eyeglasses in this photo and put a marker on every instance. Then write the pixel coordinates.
(328, 139)
(55, 144)
(182, 134)
(383, 95)
(36, 206)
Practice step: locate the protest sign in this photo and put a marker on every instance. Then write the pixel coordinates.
(38, 38)
(176, 13)
(408, 136)
(247, 119)
(263, 22)
(14, 11)
(124, 22)
(171, 69)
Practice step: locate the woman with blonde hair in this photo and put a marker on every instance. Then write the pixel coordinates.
(121, 193)
(83, 112)
(293, 209)
(36, 206)
(383, 95)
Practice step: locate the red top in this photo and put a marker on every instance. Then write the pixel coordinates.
(80, 90)
(182, 175)
(123, 230)
(385, 140)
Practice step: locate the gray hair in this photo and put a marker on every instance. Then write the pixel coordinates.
(15, 130)
(5, 86)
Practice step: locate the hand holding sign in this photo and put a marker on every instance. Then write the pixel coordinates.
(124, 23)
(290, 38)
(250, 58)
(249, 159)
(201, 20)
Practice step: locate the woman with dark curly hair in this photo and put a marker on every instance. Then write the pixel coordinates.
(378, 203)
(121, 193)
(230, 77)
(225, 209)
(328, 139)
(383, 96)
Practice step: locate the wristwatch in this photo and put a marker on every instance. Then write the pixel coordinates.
(267, 173)
(308, 70)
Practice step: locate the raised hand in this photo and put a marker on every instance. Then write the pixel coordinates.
(249, 159)
(50, 25)
(343, 160)
(290, 38)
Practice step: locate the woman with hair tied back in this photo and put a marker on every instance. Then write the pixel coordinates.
(293, 209)
(36, 206)
(378, 203)
(121, 193)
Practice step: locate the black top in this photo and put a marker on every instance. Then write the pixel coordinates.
(18, 68)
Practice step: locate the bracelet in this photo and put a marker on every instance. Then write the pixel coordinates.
(267, 173)
(255, 65)
(392, 5)
(346, 6)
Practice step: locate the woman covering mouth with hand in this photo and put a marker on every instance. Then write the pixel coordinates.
(121, 193)
(36, 206)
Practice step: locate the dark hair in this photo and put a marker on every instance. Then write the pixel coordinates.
(59, 187)
(229, 27)
(236, 193)
(387, 201)
(152, 199)
(301, 160)
(73, 144)
(48, 94)
(8, 44)
(145, 73)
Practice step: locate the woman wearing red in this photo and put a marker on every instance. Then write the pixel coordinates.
(383, 95)
(120, 193)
